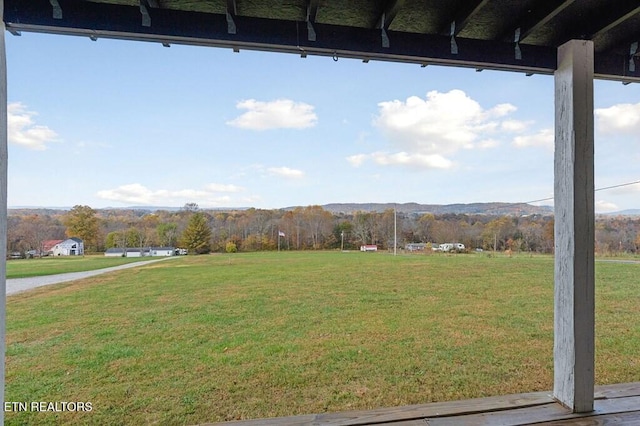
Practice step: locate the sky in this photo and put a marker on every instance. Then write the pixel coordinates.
(111, 123)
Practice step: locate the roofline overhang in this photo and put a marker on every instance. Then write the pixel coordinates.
(96, 20)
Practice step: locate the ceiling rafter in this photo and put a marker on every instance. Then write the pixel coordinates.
(462, 18)
(618, 17)
(624, 15)
(389, 14)
(536, 19)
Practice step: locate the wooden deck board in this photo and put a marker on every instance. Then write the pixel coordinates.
(617, 404)
(530, 415)
(468, 406)
(618, 390)
(628, 419)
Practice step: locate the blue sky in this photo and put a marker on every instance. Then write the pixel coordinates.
(115, 123)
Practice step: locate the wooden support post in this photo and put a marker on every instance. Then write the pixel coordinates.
(574, 227)
(3, 203)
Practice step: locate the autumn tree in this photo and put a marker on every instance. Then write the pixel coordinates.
(424, 227)
(497, 232)
(318, 221)
(297, 221)
(197, 236)
(82, 222)
(386, 227)
(35, 229)
(363, 227)
(342, 231)
(167, 234)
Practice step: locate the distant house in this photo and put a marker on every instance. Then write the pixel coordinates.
(162, 251)
(137, 252)
(48, 245)
(69, 247)
(140, 252)
(369, 247)
(114, 252)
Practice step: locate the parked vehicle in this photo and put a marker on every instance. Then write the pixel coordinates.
(449, 247)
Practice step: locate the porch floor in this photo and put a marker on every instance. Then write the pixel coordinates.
(617, 404)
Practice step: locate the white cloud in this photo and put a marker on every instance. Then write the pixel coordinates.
(136, 193)
(427, 132)
(357, 160)
(441, 124)
(417, 160)
(286, 172)
(544, 138)
(278, 114)
(501, 110)
(487, 144)
(622, 118)
(605, 206)
(515, 126)
(217, 187)
(22, 129)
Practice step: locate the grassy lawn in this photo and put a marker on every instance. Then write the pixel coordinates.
(22, 268)
(223, 337)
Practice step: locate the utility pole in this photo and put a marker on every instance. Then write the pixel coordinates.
(395, 230)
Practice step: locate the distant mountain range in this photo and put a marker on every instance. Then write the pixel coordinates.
(497, 209)
(629, 212)
(491, 209)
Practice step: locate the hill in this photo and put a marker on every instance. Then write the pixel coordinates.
(498, 209)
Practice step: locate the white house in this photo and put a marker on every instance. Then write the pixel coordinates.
(369, 247)
(69, 247)
(114, 252)
(140, 252)
(162, 251)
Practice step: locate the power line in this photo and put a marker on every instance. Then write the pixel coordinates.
(595, 190)
(551, 198)
(617, 186)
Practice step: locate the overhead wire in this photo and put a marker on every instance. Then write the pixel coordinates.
(506, 205)
(595, 190)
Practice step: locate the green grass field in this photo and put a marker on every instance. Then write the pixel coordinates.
(223, 337)
(23, 268)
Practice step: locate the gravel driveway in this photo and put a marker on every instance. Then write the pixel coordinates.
(17, 285)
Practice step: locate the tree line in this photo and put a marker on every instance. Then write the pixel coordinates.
(302, 228)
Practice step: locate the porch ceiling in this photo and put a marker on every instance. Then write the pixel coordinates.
(493, 34)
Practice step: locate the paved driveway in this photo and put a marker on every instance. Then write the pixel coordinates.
(17, 285)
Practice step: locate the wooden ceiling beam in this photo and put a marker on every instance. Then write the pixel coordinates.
(386, 18)
(610, 21)
(536, 19)
(389, 14)
(462, 18)
(619, 18)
